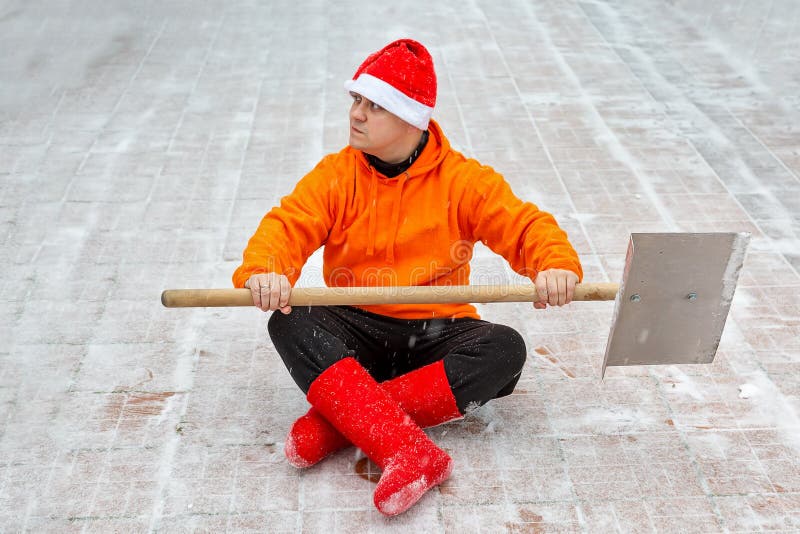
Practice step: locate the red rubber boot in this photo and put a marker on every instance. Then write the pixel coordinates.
(424, 394)
(350, 399)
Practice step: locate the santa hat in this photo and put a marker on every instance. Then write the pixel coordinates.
(399, 78)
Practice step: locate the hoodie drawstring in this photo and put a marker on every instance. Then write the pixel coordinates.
(398, 195)
(373, 208)
(373, 214)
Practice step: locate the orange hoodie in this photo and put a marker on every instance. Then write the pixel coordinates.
(417, 228)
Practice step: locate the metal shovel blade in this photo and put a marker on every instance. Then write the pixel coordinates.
(674, 298)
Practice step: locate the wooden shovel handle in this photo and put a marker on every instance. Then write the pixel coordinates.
(354, 296)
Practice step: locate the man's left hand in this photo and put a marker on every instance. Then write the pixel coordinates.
(555, 287)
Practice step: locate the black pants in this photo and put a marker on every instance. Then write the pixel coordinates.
(482, 360)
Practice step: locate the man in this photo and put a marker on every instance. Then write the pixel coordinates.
(397, 206)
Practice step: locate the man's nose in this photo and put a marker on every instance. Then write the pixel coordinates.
(358, 113)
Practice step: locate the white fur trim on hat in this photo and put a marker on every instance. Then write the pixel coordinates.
(394, 101)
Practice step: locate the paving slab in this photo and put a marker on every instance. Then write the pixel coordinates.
(140, 144)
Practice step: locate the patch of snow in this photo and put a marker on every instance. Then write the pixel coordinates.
(684, 384)
(774, 409)
(617, 419)
(747, 390)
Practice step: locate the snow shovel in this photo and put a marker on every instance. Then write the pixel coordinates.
(671, 304)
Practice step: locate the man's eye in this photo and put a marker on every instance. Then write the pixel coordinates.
(375, 107)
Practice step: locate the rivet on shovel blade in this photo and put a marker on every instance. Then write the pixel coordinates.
(691, 296)
(636, 297)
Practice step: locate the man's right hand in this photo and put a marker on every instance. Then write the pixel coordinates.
(270, 291)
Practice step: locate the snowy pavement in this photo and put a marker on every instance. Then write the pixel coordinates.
(141, 142)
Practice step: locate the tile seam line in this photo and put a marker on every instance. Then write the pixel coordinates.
(702, 479)
(65, 196)
(463, 122)
(122, 96)
(179, 124)
(586, 17)
(235, 196)
(757, 40)
(616, 144)
(705, 485)
(733, 197)
(649, 193)
(688, 101)
(238, 462)
(790, 171)
(64, 200)
(171, 446)
(533, 123)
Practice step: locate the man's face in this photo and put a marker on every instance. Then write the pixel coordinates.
(374, 130)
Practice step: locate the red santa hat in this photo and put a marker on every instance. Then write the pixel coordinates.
(399, 78)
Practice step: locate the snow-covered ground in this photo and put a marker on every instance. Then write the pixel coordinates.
(141, 142)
